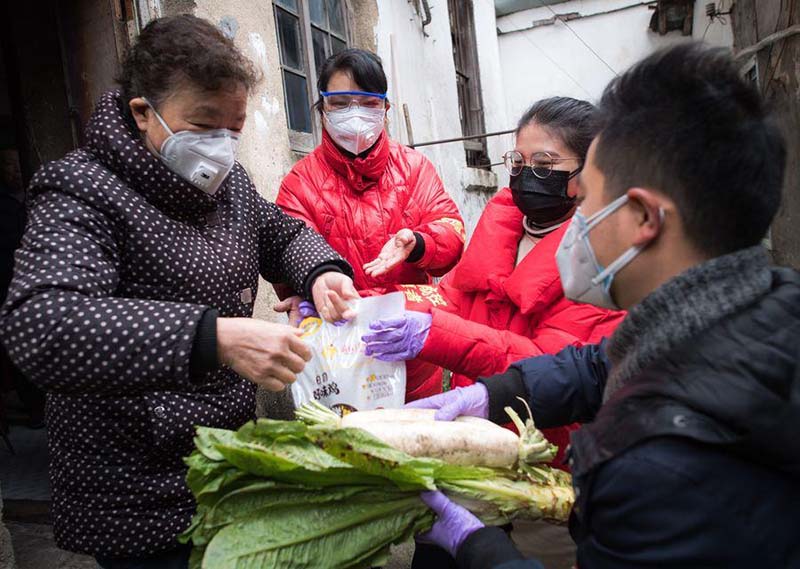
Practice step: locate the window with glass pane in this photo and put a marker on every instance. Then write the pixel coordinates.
(327, 29)
(290, 40)
(291, 4)
(298, 111)
(309, 32)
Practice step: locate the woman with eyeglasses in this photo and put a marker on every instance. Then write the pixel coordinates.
(380, 204)
(503, 301)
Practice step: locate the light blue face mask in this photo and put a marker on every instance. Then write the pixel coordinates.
(204, 159)
(582, 276)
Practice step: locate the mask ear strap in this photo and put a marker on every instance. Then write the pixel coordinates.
(158, 116)
(599, 216)
(617, 265)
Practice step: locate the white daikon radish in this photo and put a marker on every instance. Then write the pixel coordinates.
(469, 441)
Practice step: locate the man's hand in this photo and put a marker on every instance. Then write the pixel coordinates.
(396, 250)
(267, 354)
(331, 290)
(472, 401)
(453, 525)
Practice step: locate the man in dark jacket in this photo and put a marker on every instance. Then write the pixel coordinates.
(690, 457)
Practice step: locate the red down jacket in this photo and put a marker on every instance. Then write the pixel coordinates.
(487, 313)
(358, 204)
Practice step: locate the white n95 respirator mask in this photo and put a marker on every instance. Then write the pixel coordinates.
(204, 159)
(355, 129)
(582, 276)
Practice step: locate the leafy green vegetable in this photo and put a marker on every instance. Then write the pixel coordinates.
(344, 533)
(294, 494)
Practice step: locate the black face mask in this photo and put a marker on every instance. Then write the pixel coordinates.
(543, 201)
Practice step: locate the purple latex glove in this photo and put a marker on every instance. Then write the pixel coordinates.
(308, 310)
(453, 525)
(398, 339)
(472, 401)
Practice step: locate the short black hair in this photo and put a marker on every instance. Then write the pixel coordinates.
(172, 50)
(572, 120)
(365, 68)
(684, 122)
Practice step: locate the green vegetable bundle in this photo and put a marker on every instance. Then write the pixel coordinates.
(295, 495)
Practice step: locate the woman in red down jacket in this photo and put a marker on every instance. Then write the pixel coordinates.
(379, 204)
(503, 301)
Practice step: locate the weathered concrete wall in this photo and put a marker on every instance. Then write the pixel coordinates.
(174, 7)
(365, 21)
(779, 77)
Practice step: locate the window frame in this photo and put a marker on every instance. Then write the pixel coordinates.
(468, 81)
(299, 141)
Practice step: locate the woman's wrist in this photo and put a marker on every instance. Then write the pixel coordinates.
(419, 249)
(204, 357)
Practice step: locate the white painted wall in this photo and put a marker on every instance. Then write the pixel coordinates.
(421, 75)
(493, 87)
(550, 60)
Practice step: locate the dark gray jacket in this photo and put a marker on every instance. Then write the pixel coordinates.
(121, 265)
(694, 461)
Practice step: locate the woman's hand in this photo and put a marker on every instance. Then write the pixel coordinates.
(396, 250)
(331, 290)
(291, 305)
(398, 339)
(267, 354)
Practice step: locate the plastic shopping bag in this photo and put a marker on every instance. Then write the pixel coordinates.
(339, 375)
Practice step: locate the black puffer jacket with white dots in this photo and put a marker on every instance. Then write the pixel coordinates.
(119, 264)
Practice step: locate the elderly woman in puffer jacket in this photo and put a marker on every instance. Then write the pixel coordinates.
(132, 299)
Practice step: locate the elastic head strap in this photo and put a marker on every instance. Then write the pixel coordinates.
(362, 93)
(158, 116)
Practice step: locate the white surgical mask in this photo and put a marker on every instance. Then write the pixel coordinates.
(582, 276)
(204, 159)
(355, 128)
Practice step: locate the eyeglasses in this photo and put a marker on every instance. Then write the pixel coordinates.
(340, 100)
(541, 163)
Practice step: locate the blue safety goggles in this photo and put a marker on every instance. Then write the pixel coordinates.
(358, 93)
(341, 100)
